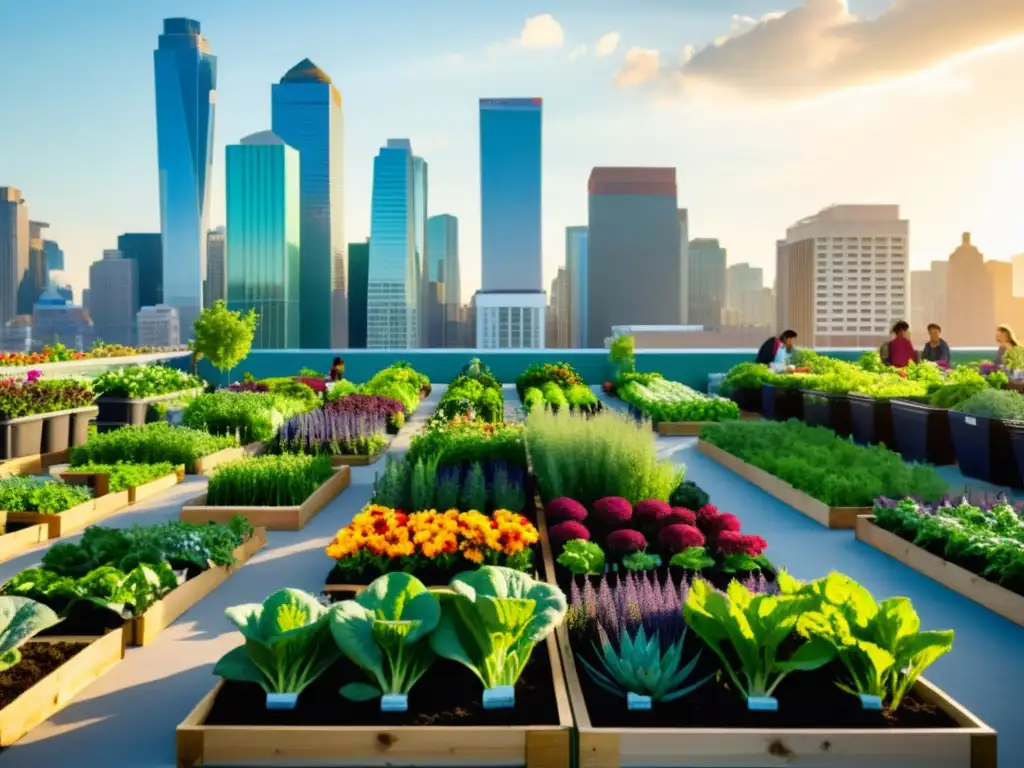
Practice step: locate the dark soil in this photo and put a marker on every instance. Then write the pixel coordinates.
(37, 661)
(85, 618)
(448, 694)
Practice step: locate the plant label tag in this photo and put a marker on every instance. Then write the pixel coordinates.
(970, 421)
(502, 697)
(763, 704)
(873, 703)
(394, 702)
(635, 702)
(282, 700)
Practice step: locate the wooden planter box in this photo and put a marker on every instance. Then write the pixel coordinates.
(843, 518)
(271, 518)
(156, 487)
(358, 461)
(44, 432)
(693, 428)
(21, 541)
(143, 629)
(997, 599)
(206, 464)
(55, 691)
(115, 412)
(37, 464)
(75, 519)
(100, 483)
(539, 746)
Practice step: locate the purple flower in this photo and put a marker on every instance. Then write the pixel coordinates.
(33, 375)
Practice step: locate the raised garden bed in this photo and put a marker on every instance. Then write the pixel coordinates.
(100, 483)
(206, 464)
(822, 409)
(78, 517)
(747, 398)
(781, 403)
(872, 421)
(997, 599)
(115, 412)
(356, 460)
(922, 433)
(693, 428)
(36, 464)
(45, 432)
(22, 539)
(844, 518)
(271, 518)
(61, 667)
(984, 449)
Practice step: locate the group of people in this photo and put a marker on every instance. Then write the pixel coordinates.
(898, 351)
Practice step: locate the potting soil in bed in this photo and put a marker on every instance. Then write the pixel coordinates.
(37, 661)
(448, 694)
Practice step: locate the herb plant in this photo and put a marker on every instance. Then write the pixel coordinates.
(671, 401)
(268, 481)
(123, 475)
(48, 497)
(36, 396)
(144, 381)
(150, 444)
(1006, 404)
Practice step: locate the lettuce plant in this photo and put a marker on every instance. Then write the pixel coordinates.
(384, 631)
(288, 643)
(492, 618)
(582, 557)
(20, 620)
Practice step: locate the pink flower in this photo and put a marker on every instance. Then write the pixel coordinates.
(625, 542)
(650, 511)
(564, 508)
(33, 375)
(678, 516)
(613, 512)
(735, 543)
(714, 526)
(677, 538)
(559, 534)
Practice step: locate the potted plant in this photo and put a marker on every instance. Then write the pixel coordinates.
(781, 398)
(127, 396)
(988, 430)
(743, 385)
(43, 416)
(870, 405)
(826, 404)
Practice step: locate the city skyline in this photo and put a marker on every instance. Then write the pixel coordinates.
(881, 150)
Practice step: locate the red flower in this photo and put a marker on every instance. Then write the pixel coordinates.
(559, 534)
(564, 508)
(735, 543)
(613, 511)
(676, 538)
(715, 526)
(625, 542)
(650, 510)
(678, 516)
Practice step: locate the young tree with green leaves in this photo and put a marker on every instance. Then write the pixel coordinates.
(222, 336)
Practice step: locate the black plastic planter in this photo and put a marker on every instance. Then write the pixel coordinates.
(872, 421)
(984, 449)
(782, 404)
(117, 412)
(747, 398)
(822, 409)
(1016, 432)
(922, 432)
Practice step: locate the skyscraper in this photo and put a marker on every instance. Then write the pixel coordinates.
(512, 313)
(684, 265)
(748, 302)
(558, 312)
(216, 285)
(263, 237)
(358, 274)
(146, 249)
(307, 114)
(54, 256)
(419, 226)
(158, 326)
(970, 307)
(576, 279)
(37, 276)
(392, 293)
(114, 297)
(706, 283)
(186, 86)
(14, 250)
(633, 250)
(443, 267)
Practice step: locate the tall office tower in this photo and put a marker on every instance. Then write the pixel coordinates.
(842, 274)
(433, 310)
(745, 296)
(706, 283)
(576, 284)
(419, 195)
(186, 89)
(14, 250)
(65, 291)
(511, 307)
(54, 319)
(53, 255)
(684, 265)
(37, 277)
(159, 326)
(443, 267)
(216, 285)
(263, 237)
(633, 250)
(940, 277)
(307, 114)
(392, 293)
(146, 250)
(558, 311)
(922, 301)
(970, 316)
(358, 274)
(114, 297)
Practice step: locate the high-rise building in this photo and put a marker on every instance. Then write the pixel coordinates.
(216, 285)
(433, 309)
(159, 326)
(558, 312)
(970, 318)
(419, 227)
(37, 277)
(745, 296)
(684, 265)
(263, 239)
(392, 293)
(186, 88)
(358, 275)
(634, 252)
(923, 309)
(576, 284)
(54, 319)
(706, 283)
(114, 293)
(54, 256)
(14, 250)
(443, 267)
(307, 114)
(1009, 310)
(510, 221)
(146, 250)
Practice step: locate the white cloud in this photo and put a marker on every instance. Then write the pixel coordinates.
(641, 66)
(578, 52)
(606, 44)
(820, 46)
(541, 31)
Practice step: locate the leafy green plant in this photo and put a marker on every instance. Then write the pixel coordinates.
(268, 481)
(506, 493)
(222, 336)
(124, 475)
(144, 381)
(533, 398)
(491, 620)
(288, 643)
(21, 619)
(126, 593)
(383, 631)
(151, 444)
(582, 558)
(641, 561)
(35, 396)
(745, 376)
(251, 416)
(689, 495)
(962, 383)
(392, 486)
(458, 444)
(48, 497)
(670, 401)
(1007, 405)
(693, 559)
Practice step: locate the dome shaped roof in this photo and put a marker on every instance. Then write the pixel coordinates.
(306, 72)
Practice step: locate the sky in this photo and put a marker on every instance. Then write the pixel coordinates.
(769, 109)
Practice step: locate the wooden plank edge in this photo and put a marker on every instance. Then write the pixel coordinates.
(19, 542)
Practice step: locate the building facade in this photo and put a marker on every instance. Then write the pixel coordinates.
(216, 285)
(37, 276)
(158, 326)
(392, 293)
(634, 252)
(146, 250)
(510, 320)
(358, 276)
(706, 282)
(842, 276)
(576, 284)
(54, 319)
(747, 301)
(307, 115)
(970, 314)
(558, 324)
(684, 265)
(186, 89)
(14, 250)
(443, 267)
(263, 237)
(419, 228)
(114, 293)
(54, 256)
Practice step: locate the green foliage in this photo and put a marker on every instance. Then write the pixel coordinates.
(341, 389)
(1013, 359)
(505, 493)
(123, 475)
(251, 416)
(745, 376)
(268, 481)
(144, 381)
(609, 454)
(150, 444)
(288, 643)
(671, 401)
(399, 382)
(689, 495)
(447, 492)
(693, 559)
(474, 490)
(995, 404)
(48, 497)
(641, 561)
(424, 483)
(582, 558)
(393, 486)
(997, 380)
(127, 593)
(475, 369)
(888, 386)
(828, 468)
(622, 356)
(538, 374)
(222, 336)
(961, 384)
(872, 362)
(469, 398)
(29, 398)
(21, 619)
(533, 398)
(457, 444)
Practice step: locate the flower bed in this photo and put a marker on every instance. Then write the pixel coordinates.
(448, 695)
(128, 396)
(823, 476)
(470, 398)
(334, 430)
(392, 410)
(155, 443)
(58, 353)
(674, 406)
(272, 492)
(40, 416)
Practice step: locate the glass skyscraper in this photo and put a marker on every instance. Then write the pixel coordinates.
(358, 269)
(307, 114)
(576, 272)
(147, 251)
(419, 194)
(443, 267)
(263, 237)
(186, 84)
(393, 292)
(510, 194)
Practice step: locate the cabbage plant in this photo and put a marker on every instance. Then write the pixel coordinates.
(288, 643)
(492, 618)
(384, 631)
(20, 620)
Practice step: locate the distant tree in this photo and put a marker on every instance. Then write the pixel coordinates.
(222, 336)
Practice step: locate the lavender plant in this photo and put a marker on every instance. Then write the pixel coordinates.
(332, 431)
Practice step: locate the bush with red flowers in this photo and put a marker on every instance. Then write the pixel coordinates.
(613, 512)
(559, 534)
(678, 516)
(564, 508)
(736, 543)
(678, 538)
(650, 511)
(625, 542)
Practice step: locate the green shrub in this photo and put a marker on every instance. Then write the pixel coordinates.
(123, 475)
(49, 497)
(252, 416)
(268, 481)
(144, 381)
(1002, 404)
(150, 444)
